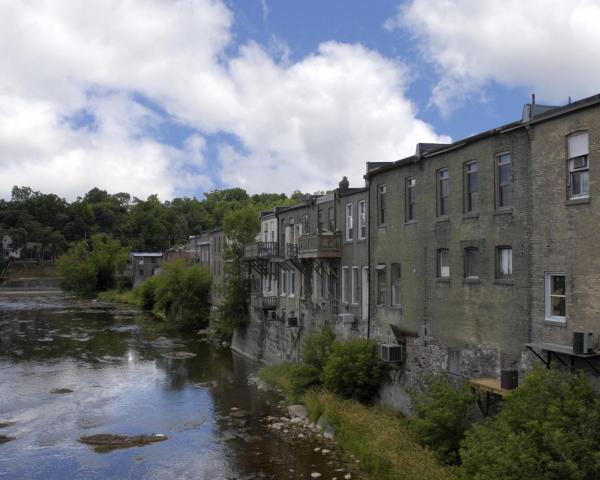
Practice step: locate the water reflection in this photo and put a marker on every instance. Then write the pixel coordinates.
(122, 384)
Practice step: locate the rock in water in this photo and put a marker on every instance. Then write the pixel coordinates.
(61, 391)
(108, 441)
(179, 355)
(4, 439)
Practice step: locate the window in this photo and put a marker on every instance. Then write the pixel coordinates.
(320, 226)
(556, 297)
(504, 262)
(411, 206)
(471, 187)
(141, 272)
(355, 286)
(141, 261)
(349, 223)
(283, 281)
(292, 288)
(579, 175)
(396, 286)
(381, 287)
(443, 191)
(305, 224)
(315, 285)
(504, 177)
(381, 204)
(362, 220)
(443, 261)
(345, 284)
(471, 262)
(331, 218)
(302, 280)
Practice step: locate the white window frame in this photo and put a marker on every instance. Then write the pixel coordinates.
(580, 154)
(548, 296)
(355, 284)
(499, 274)
(441, 273)
(345, 281)
(283, 278)
(362, 219)
(349, 222)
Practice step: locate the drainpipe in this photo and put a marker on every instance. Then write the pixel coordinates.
(369, 258)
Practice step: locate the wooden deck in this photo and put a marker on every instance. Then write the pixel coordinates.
(489, 385)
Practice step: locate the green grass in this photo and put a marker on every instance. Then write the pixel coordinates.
(380, 438)
(279, 376)
(127, 297)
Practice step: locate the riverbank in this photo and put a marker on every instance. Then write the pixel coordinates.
(379, 439)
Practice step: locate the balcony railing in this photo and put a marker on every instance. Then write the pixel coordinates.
(325, 245)
(266, 302)
(261, 250)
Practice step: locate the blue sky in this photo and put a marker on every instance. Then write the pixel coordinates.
(178, 98)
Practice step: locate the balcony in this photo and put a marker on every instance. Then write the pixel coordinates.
(326, 245)
(265, 302)
(261, 250)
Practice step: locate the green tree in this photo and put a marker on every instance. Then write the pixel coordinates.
(548, 428)
(182, 295)
(443, 413)
(353, 369)
(93, 266)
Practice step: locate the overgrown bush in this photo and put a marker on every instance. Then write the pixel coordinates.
(182, 295)
(353, 369)
(92, 266)
(146, 293)
(548, 429)
(317, 349)
(443, 413)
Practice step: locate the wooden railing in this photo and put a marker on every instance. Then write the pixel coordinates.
(319, 245)
(261, 250)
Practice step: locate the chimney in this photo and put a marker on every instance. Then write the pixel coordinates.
(533, 98)
(344, 184)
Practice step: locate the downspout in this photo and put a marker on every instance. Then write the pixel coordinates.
(369, 269)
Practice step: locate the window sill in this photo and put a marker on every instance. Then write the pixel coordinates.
(380, 306)
(361, 240)
(470, 216)
(410, 222)
(444, 218)
(504, 281)
(443, 280)
(551, 322)
(578, 201)
(471, 281)
(503, 211)
(383, 226)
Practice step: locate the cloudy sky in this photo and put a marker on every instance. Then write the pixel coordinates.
(178, 97)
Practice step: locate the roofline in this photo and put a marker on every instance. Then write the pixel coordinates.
(566, 109)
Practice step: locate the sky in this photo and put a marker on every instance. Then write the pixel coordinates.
(181, 97)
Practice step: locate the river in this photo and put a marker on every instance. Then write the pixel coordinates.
(122, 382)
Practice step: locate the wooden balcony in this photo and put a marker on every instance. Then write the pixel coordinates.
(326, 245)
(264, 250)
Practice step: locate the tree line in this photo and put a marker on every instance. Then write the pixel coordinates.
(53, 223)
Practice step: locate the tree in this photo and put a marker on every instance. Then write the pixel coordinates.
(548, 428)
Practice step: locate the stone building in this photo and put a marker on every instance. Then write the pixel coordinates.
(144, 265)
(468, 258)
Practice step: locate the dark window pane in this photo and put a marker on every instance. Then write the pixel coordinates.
(558, 285)
(558, 306)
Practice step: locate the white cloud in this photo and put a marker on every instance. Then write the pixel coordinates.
(300, 125)
(548, 46)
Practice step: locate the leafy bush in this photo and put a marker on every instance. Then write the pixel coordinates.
(317, 349)
(442, 416)
(548, 428)
(182, 295)
(353, 369)
(381, 439)
(147, 293)
(92, 266)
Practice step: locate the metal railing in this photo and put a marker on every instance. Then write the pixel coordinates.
(261, 250)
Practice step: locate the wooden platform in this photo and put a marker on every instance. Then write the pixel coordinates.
(489, 385)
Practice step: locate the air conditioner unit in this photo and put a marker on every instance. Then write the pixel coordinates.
(346, 318)
(293, 322)
(582, 342)
(392, 353)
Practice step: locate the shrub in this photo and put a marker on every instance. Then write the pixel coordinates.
(442, 415)
(548, 428)
(353, 369)
(147, 293)
(317, 349)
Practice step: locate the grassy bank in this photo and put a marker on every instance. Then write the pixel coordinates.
(381, 439)
(127, 297)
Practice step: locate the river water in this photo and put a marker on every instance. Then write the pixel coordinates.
(122, 383)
